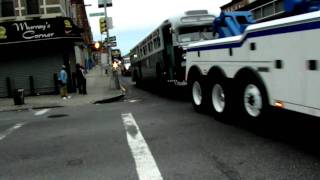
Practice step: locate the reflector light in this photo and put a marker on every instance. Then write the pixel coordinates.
(279, 104)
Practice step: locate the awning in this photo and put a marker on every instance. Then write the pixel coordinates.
(38, 30)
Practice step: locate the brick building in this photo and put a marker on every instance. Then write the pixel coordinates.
(262, 10)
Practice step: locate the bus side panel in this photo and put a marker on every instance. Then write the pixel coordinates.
(311, 68)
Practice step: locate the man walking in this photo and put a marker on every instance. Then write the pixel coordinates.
(63, 78)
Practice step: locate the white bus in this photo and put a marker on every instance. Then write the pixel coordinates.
(160, 56)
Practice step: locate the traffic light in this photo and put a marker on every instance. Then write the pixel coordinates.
(103, 25)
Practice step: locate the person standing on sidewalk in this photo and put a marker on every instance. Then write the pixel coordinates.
(63, 78)
(81, 79)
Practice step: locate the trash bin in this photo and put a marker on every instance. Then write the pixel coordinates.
(18, 96)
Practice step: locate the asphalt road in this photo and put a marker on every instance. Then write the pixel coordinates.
(154, 134)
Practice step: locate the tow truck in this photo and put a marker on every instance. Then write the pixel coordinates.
(251, 67)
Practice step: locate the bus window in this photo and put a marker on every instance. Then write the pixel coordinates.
(195, 33)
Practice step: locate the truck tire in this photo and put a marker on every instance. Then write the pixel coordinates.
(253, 99)
(220, 98)
(198, 95)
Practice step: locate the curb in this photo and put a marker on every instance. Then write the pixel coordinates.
(113, 99)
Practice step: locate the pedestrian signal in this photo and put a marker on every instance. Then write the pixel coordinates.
(103, 25)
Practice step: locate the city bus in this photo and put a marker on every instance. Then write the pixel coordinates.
(160, 56)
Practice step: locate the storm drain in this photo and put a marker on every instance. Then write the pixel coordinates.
(57, 115)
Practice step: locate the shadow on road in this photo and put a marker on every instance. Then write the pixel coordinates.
(169, 91)
(298, 130)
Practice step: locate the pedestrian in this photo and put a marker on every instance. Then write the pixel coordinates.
(81, 79)
(63, 79)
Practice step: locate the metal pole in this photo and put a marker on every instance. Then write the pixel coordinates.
(107, 31)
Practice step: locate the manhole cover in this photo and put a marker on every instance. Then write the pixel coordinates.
(57, 115)
(75, 162)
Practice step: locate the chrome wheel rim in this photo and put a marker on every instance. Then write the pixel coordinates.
(218, 98)
(253, 100)
(196, 93)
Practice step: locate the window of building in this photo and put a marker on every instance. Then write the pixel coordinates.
(268, 10)
(7, 8)
(257, 13)
(279, 6)
(33, 7)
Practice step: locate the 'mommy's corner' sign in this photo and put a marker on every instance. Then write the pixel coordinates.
(39, 29)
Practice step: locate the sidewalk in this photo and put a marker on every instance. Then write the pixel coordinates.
(99, 87)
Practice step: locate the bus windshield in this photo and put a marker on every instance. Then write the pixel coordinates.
(195, 33)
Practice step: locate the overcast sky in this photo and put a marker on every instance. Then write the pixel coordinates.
(135, 19)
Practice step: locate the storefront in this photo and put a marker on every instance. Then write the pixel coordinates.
(32, 53)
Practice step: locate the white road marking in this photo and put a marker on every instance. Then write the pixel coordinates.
(41, 112)
(10, 130)
(146, 166)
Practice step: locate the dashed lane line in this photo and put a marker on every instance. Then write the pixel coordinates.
(146, 166)
(10, 130)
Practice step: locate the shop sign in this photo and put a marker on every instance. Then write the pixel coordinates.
(40, 29)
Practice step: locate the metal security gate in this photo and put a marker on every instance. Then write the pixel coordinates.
(19, 69)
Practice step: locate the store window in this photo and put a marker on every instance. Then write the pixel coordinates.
(7, 8)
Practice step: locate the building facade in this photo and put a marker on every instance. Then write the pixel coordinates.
(262, 10)
(37, 37)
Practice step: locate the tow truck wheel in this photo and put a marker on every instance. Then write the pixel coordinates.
(253, 100)
(198, 96)
(220, 99)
